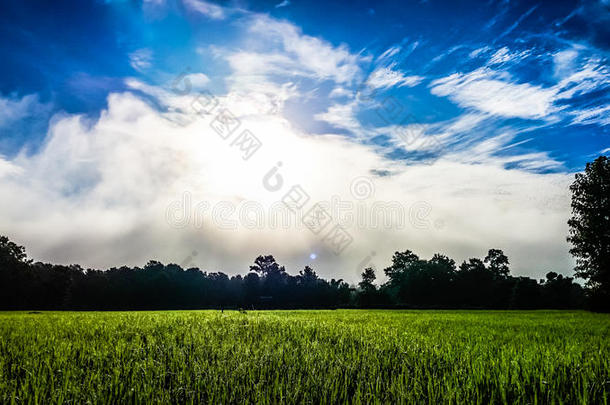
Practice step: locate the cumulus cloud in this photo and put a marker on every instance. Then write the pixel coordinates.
(99, 194)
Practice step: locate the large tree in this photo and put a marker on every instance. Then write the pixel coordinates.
(590, 229)
(498, 263)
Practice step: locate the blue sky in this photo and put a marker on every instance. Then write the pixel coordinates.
(521, 88)
(71, 61)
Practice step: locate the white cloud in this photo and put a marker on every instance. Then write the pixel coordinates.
(141, 59)
(414, 137)
(564, 62)
(342, 116)
(14, 109)
(284, 3)
(592, 75)
(340, 92)
(282, 63)
(493, 91)
(264, 64)
(208, 9)
(386, 77)
(199, 81)
(389, 53)
(594, 115)
(486, 91)
(478, 52)
(504, 55)
(312, 54)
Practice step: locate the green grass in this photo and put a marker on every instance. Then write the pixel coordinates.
(346, 356)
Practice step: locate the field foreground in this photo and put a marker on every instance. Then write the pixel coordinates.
(305, 357)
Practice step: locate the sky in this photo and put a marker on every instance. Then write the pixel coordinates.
(328, 134)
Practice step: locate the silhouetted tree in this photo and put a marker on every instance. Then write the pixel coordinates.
(368, 295)
(11, 253)
(14, 275)
(266, 266)
(498, 263)
(590, 229)
(368, 278)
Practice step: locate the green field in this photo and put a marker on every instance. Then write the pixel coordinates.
(351, 356)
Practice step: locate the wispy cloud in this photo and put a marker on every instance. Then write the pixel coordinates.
(340, 92)
(386, 77)
(208, 9)
(495, 90)
(342, 116)
(23, 122)
(141, 59)
(15, 108)
(312, 54)
(512, 27)
(594, 115)
(504, 55)
(489, 91)
(284, 3)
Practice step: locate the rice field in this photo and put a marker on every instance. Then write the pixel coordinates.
(268, 357)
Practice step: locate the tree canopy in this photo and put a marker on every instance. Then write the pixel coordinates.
(590, 229)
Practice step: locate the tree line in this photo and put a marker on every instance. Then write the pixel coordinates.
(412, 283)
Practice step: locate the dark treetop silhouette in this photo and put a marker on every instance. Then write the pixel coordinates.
(590, 229)
(412, 282)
